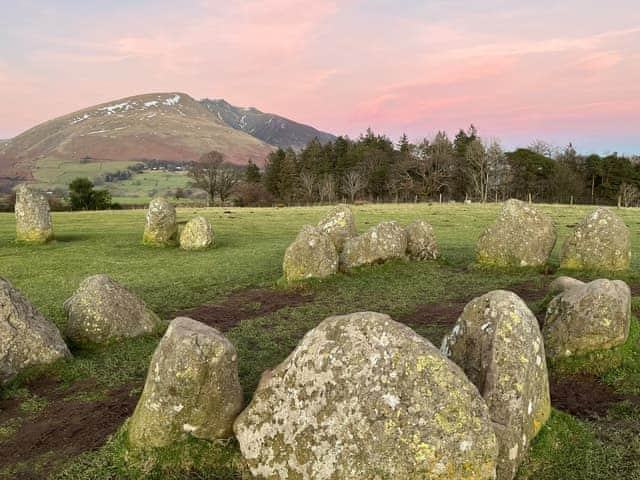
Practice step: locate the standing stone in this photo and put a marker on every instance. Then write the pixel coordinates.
(192, 388)
(197, 234)
(340, 224)
(364, 397)
(594, 316)
(497, 342)
(521, 237)
(421, 241)
(27, 338)
(385, 241)
(161, 228)
(563, 283)
(33, 220)
(311, 255)
(601, 241)
(102, 311)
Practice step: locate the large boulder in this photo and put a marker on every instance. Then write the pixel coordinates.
(27, 338)
(383, 242)
(601, 241)
(421, 241)
(563, 283)
(311, 255)
(102, 311)
(192, 388)
(522, 236)
(364, 397)
(197, 234)
(161, 227)
(497, 342)
(33, 220)
(594, 316)
(340, 224)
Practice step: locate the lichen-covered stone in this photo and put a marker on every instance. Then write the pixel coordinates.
(27, 338)
(497, 342)
(33, 220)
(421, 241)
(192, 388)
(385, 241)
(311, 255)
(340, 224)
(364, 397)
(161, 228)
(102, 311)
(601, 241)
(594, 316)
(197, 234)
(563, 283)
(522, 236)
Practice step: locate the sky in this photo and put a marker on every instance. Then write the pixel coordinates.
(560, 71)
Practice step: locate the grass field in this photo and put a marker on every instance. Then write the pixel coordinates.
(250, 245)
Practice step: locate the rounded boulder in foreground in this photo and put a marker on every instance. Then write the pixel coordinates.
(102, 311)
(385, 241)
(161, 228)
(497, 342)
(197, 234)
(33, 219)
(601, 241)
(421, 241)
(522, 236)
(365, 397)
(192, 388)
(311, 255)
(340, 224)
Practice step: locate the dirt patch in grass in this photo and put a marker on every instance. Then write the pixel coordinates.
(584, 396)
(67, 425)
(446, 313)
(246, 304)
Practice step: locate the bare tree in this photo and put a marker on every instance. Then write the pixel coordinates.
(543, 148)
(478, 170)
(227, 180)
(211, 175)
(629, 195)
(308, 185)
(327, 189)
(432, 165)
(353, 183)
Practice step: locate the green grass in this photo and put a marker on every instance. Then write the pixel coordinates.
(51, 173)
(250, 245)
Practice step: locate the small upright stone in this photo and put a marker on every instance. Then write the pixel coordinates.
(197, 234)
(522, 236)
(161, 228)
(102, 311)
(364, 397)
(421, 241)
(385, 241)
(340, 224)
(563, 283)
(311, 255)
(192, 388)
(601, 241)
(497, 342)
(27, 338)
(33, 220)
(582, 319)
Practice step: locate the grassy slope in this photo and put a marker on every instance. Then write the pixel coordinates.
(249, 252)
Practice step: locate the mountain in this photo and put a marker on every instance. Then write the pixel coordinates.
(165, 126)
(270, 128)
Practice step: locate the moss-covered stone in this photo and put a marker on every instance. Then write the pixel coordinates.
(421, 241)
(161, 228)
(497, 342)
(311, 255)
(385, 241)
(586, 318)
(33, 219)
(522, 236)
(340, 224)
(563, 283)
(197, 234)
(102, 311)
(364, 397)
(192, 388)
(601, 241)
(27, 338)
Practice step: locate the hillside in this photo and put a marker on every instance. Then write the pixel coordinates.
(270, 128)
(167, 126)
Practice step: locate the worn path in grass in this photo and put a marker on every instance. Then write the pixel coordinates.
(235, 287)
